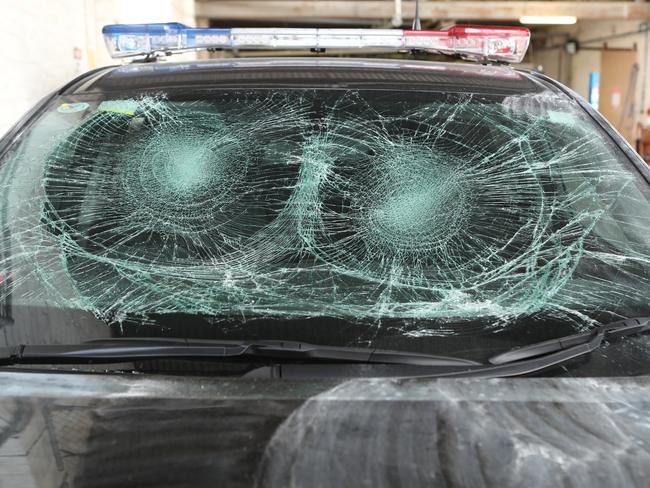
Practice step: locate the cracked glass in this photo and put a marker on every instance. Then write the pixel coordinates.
(428, 214)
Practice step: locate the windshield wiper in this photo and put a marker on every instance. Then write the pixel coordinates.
(535, 357)
(595, 337)
(542, 355)
(515, 362)
(139, 349)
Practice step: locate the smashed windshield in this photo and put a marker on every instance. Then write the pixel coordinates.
(437, 213)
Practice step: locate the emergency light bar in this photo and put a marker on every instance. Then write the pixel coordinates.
(497, 44)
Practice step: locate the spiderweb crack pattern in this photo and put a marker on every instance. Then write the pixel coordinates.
(276, 205)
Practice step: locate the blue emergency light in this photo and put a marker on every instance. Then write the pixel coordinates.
(497, 44)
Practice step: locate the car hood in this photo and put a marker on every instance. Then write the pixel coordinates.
(75, 429)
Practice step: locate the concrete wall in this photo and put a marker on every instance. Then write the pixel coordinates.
(50, 42)
(37, 55)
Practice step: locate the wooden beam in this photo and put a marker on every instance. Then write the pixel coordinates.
(304, 10)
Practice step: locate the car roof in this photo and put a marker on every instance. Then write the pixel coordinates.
(308, 72)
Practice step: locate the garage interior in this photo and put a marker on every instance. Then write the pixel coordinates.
(600, 49)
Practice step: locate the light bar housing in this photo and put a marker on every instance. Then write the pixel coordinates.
(478, 43)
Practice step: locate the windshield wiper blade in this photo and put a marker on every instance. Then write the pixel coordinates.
(138, 349)
(535, 357)
(612, 330)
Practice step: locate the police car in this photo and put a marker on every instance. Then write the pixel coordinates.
(318, 271)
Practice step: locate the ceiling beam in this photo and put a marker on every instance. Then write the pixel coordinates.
(513, 10)
(304, 10)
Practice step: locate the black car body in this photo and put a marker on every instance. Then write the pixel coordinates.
(442, 209)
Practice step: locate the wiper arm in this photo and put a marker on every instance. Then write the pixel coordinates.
(615, 329)
(137, 349)
(542, 355)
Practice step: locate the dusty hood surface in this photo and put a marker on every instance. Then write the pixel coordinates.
(95, 430)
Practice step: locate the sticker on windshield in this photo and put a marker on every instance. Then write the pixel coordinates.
(68, 108)
(124, 107)
(558, 117)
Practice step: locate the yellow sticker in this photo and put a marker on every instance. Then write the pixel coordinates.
(126, 107)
